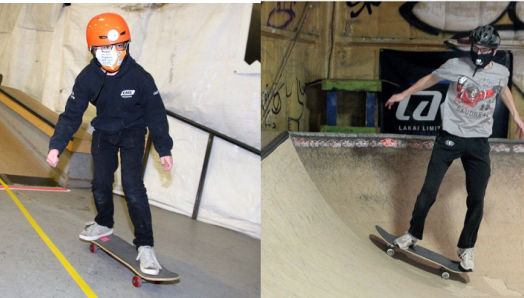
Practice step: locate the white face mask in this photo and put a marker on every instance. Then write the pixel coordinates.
(110, 60)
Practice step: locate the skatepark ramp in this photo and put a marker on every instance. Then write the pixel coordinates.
(32, 124)
(323, 194)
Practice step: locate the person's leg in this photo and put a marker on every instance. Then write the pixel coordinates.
(477, 166)
(132, 144)
(446, 149)
(131, 155)
(105, 161)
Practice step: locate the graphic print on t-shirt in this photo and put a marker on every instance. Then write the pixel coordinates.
(470, 93)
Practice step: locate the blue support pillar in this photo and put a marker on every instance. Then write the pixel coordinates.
(331, 107)
(370, 108)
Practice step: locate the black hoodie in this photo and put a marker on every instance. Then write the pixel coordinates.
(129, 98)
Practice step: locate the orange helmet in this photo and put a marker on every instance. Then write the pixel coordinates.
(107, 29)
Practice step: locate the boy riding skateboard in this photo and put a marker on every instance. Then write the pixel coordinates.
(127, 103)
(467, 121)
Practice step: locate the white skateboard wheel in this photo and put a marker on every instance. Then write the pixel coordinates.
(390, 252)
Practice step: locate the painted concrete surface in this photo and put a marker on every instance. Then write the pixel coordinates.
(212, 261)
(321, 202)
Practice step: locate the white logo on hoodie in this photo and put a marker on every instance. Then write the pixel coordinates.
(127, 93)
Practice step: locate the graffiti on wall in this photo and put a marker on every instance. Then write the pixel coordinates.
(271, 105)
(498, 11)
(461, 18)
(282, 15)
(293, 124)
(294, 96)
(367, 5)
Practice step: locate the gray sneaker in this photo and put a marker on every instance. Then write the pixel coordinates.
(405, 241)
(467, 258)
(93, 231)
(148, 262)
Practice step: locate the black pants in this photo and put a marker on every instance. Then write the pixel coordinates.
(474, 153)
(130, 142)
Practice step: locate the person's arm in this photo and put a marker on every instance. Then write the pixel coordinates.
(507, 99)
(420, 85)
(68, 123)
(156, 121)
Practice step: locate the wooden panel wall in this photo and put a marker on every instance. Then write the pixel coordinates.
(342, 40)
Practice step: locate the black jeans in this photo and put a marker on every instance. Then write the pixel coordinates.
(130, 142)
(474, 153)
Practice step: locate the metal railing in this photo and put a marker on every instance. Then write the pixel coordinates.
(212, 134)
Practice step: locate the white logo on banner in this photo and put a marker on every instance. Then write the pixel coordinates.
(417, 114)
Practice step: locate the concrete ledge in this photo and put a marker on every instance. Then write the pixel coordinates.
(343, 140)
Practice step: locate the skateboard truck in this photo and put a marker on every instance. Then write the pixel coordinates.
(446, 265)
(125, 253)
(390, 251)
(137, 281)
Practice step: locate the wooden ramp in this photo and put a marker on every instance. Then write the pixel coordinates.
(322, 199)
(31, 125)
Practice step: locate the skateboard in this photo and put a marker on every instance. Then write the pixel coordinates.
(446, 265)
(126, 254)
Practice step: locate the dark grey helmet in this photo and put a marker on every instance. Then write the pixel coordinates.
(486, 36)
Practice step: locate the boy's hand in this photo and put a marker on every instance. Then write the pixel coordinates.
(167, 162)
(395, 98)
(520, 126)
(52, 158)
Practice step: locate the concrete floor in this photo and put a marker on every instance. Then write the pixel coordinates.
(211, 261)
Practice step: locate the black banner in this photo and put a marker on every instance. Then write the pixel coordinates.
(420, 115)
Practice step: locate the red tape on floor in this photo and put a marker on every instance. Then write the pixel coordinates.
(34, 188)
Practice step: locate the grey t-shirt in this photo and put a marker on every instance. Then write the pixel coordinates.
(470, 101)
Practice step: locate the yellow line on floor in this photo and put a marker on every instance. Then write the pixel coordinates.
(81, 283)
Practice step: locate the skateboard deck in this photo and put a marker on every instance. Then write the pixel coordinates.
(126, 254)
(435, 258)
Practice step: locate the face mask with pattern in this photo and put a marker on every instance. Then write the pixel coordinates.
(481, 60)
(111, 60)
